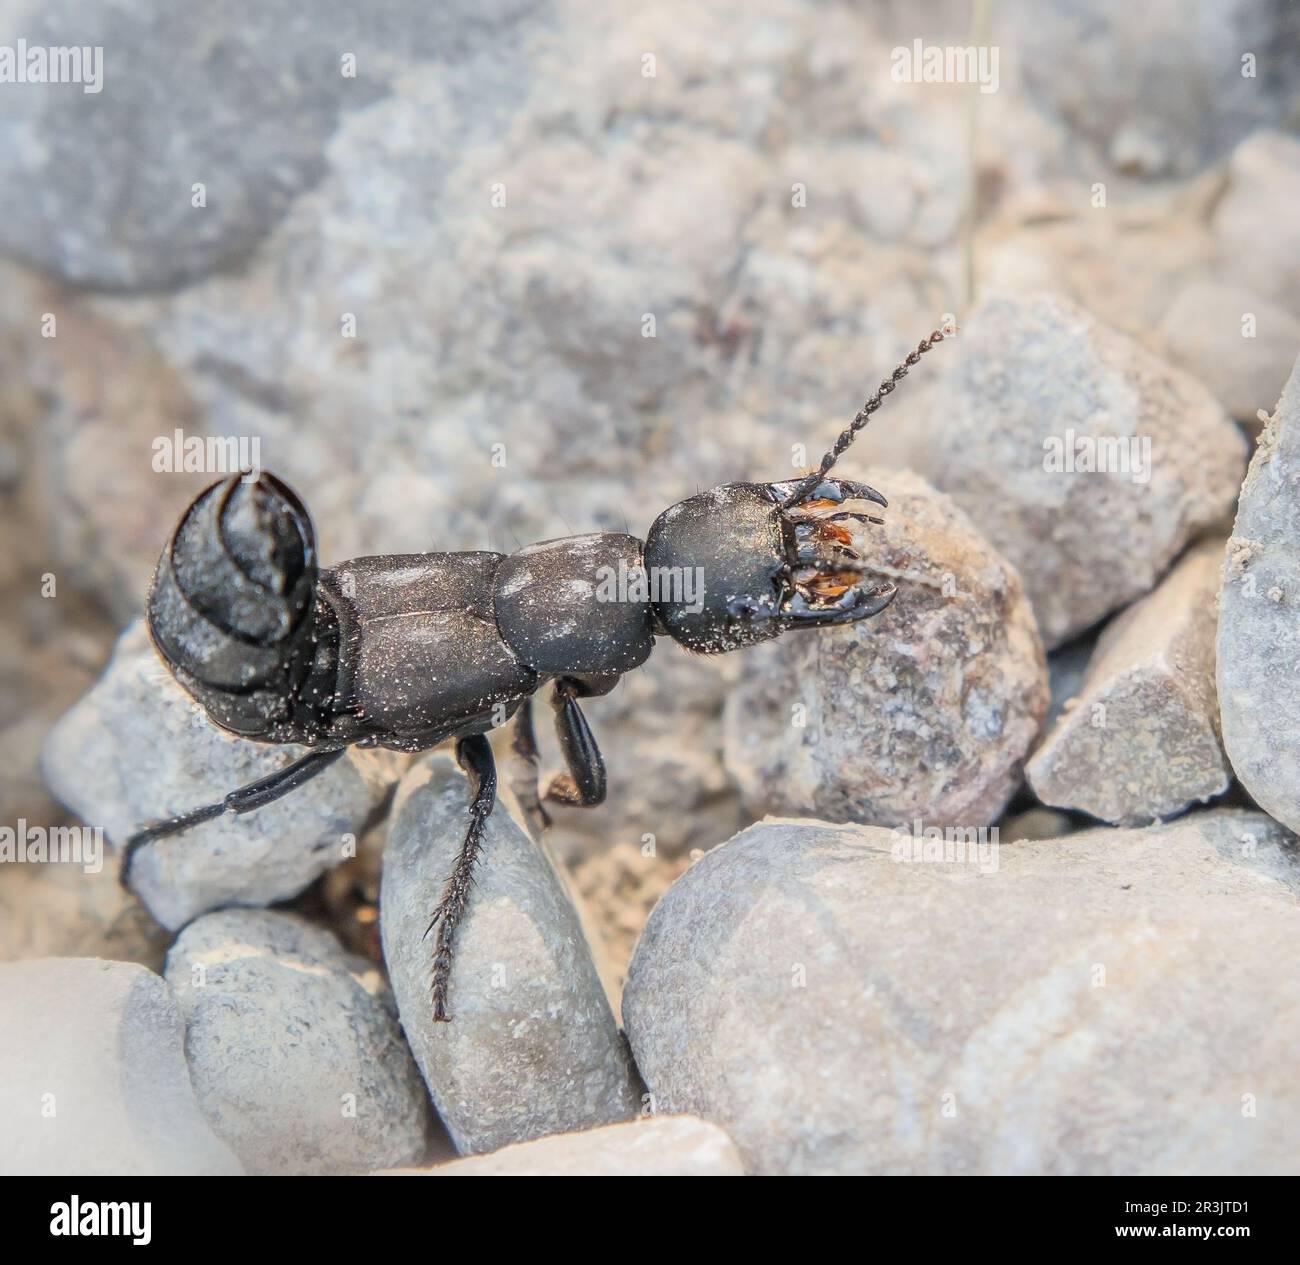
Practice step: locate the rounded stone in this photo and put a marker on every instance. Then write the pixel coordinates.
(1258, 646)
(841, 1001)
(1086, 460)
(294, 1048)
(924, 711)
(93, 1080)
(532, 1047)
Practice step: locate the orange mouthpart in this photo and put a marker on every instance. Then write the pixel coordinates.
(833, 584)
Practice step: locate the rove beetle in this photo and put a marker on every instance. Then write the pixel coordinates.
(405, 651)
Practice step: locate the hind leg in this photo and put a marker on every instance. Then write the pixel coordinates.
(264, 791)
(474, 755)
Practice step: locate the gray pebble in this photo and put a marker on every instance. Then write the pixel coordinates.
(925, 711)
(1033, 385)
(839, 1004)
(1259, 620)
(294, 1047)
(1206, 332)
(93, 1080)
(532, 1047)
(1141, 740)
(1259, 246)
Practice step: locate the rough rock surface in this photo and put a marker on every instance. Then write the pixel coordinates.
(924, 711)
(532, 1047)
(1259, 619)
(1205, 331)
(836, 1010)
(214, 86)
(137, 748)
(1261, 245)
(1034, 380)
(1141, 740)
(93, 1079)
(669, 1146)
(294, 1048)
(1150, 85)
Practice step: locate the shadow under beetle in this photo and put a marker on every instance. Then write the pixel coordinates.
(405, 651)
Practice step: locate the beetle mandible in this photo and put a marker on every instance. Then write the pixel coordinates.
(407, 651)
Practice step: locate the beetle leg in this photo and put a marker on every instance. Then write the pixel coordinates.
(524, 782)
(474, 755)
(584, 783)
(244, 800)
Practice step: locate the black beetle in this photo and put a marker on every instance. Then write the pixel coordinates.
(405, 651)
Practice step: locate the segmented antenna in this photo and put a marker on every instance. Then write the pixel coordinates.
(805, 486)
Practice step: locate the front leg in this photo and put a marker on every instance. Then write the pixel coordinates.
(474, 755)
(584, 783)
(523, 769)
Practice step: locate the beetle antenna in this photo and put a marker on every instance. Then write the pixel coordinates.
(806, 485)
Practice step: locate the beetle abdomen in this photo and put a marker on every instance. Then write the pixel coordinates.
(232, 610)
(422, 658)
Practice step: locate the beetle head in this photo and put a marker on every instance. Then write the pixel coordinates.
(768, 557)
(741, 564)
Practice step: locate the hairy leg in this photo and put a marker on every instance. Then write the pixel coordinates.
(474, 755)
